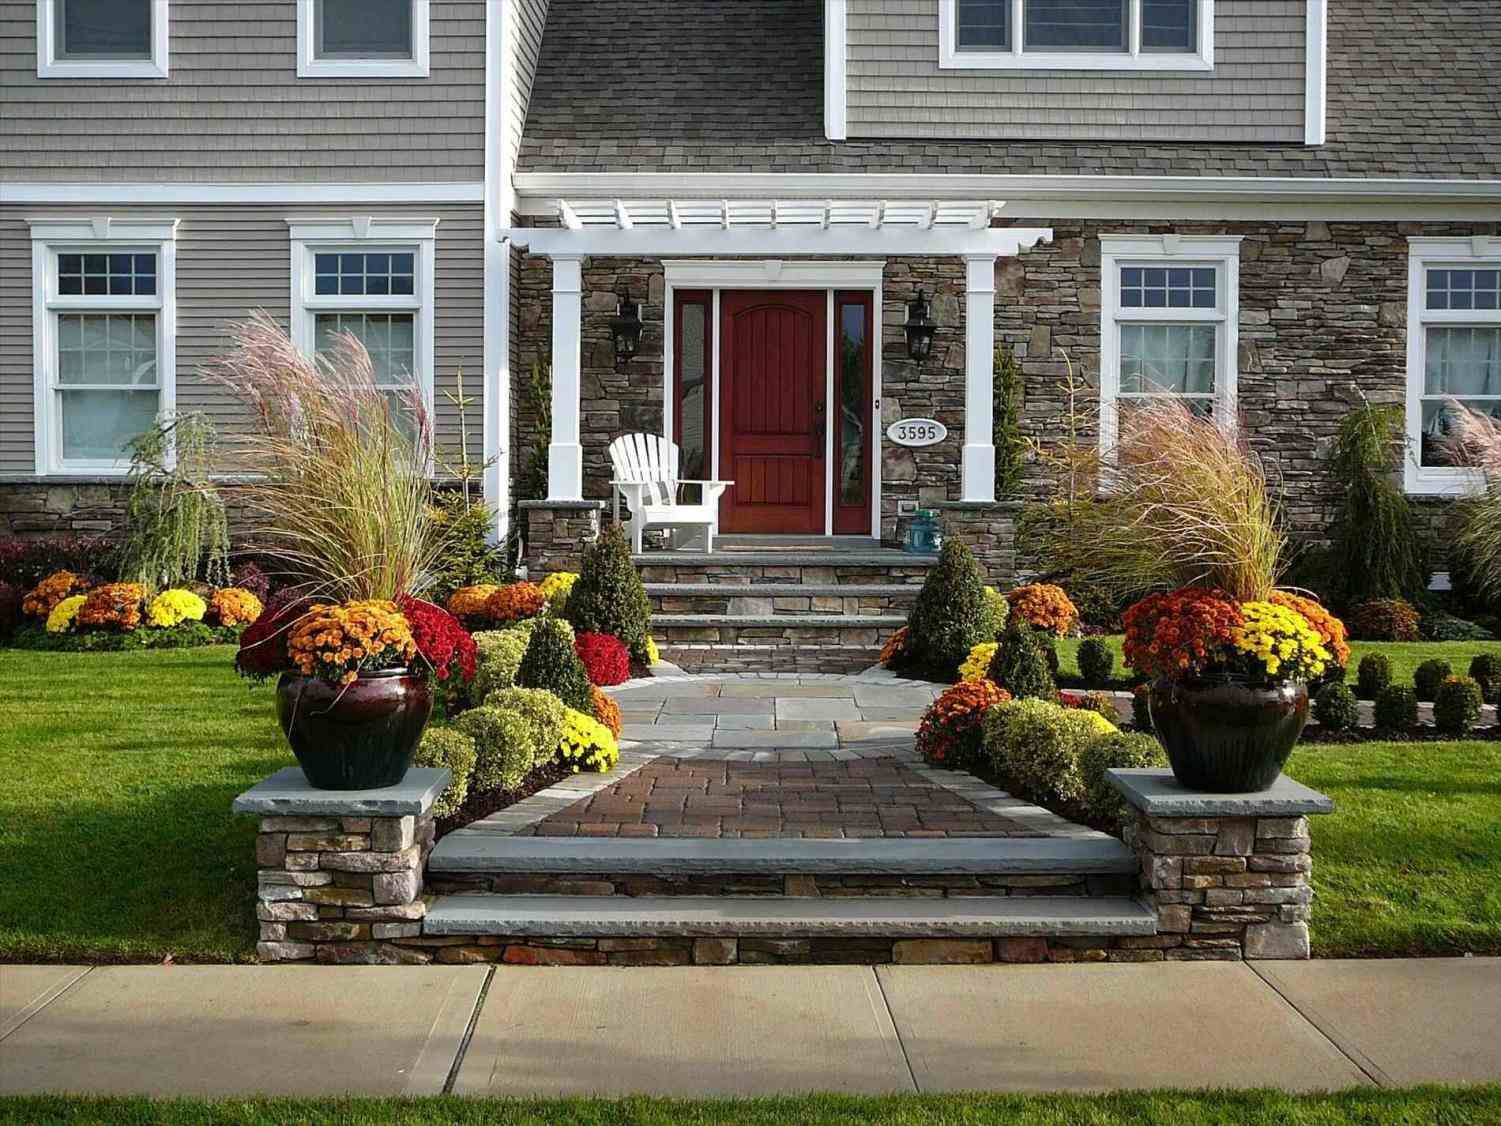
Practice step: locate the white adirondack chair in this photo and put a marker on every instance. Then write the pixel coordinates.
(646, 472)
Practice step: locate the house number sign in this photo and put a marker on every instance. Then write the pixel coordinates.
(917, 432)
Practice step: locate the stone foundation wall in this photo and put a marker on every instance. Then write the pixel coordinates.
(989, 530)
(45, 508)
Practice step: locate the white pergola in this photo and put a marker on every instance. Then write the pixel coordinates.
(773, 230)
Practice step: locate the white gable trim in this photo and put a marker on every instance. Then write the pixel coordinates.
(310, 193)
(835, 64)
(1315, 71)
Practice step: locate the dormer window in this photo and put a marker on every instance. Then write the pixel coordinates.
(1076, 34)
(101, 39)
(362, 38)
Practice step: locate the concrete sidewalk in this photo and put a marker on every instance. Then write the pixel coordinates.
(302, 1030)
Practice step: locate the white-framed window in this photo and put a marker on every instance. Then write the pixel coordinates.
(1453, 351)
(362, 38)
(1169, 306)
(1076, 34)
(101, 39)
(374, 279)
(103, 338)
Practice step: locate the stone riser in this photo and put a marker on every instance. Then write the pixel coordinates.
(763, 950)
(725, 602)
(821, 574)
(929, 887)
(697, 658)
(772, 637)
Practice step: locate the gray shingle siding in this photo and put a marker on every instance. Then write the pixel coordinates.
(705, 87)
(232, 260)
(1254, 93)
(233, 109)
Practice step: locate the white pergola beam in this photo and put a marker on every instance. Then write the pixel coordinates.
(764, 242)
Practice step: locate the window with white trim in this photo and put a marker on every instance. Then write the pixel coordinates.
(362, 38)
(372, 279)
(1453, 351)
(101, 39)
(1076, 34)
(103, 337)
(1168, 309)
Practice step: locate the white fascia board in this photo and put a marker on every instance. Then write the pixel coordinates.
(746, 273)
(761, 241)
(310, 193)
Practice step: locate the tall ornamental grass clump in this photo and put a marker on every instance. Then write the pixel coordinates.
(176, 529)
(1474, 440)
(1184, 502)
(335, 482)
(1375, 550)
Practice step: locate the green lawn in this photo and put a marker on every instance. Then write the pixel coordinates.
(114, 815)
(1405, 656)
(1436, 1106)
(119, 844)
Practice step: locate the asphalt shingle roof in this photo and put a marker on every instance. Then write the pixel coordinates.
(713, 86)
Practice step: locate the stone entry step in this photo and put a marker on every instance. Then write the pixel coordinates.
(795, 642)
(567, 916)
(820, 568)
(736, 655)
(473, 850)
(782, 599)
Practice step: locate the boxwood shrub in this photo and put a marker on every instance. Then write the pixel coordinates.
(450, 747)
(1428, 676)
(1485, 670)
(504, 754)
(1036, 745)
(1096, 661)
(1396, 708)
(1456, 706)
(550, 662)
(609, 597)
(951, 615)
(1118, 751)
(1020, 663)
(1372, 675)
(1336, 708)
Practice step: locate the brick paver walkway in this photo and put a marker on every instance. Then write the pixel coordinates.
(880, 797)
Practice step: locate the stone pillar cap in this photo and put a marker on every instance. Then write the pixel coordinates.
(1158, 794)
(287, 794)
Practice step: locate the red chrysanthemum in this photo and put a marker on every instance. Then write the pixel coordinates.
(949, 734)
(444, 644)
(1180, 633)
(605, 657)
(263, 645)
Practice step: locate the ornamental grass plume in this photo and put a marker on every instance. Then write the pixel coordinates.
(334, 477)
(1474, 440)
(1182, 503)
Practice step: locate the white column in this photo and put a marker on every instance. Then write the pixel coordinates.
(565, 457)
(979, 377)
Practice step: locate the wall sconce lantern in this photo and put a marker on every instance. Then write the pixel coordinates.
(625, 327)
(920, 327)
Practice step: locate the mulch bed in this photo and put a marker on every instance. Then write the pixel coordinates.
(481, 805)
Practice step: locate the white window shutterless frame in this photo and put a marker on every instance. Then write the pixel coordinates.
(1453, 352)
(376, 279)
(111, 38)
(104, 325)
(1169, 306)
(1002, 39)
(337, 38)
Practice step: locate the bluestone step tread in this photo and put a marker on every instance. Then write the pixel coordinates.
(474, 850)
(782, 916)
(785, 590)
(789, 558)
(753, 621)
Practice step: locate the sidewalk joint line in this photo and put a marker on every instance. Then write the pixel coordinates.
(458, 1058)
(46, 1001)
(875, 972)
(1367, 1067)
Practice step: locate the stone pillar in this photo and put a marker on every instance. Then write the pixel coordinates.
(565, 456)
(979, 377)
(340, 871)
(556, 532)
(989, 530)
(1228, 874)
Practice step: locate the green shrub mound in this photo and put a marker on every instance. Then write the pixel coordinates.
(1141, 710)
(540, 711)
(1035, 746)
(551, 663)
(1336, 708)
(951, 615)
(1428, 676)
(1396, 708)
(184, 635)
(1372, 675)
(1020, 664)
(498, 657)
(608, 596)
(1096, 661)
(447, 746)
(1456, 706)
(1438, 626)
(504, 750)
(1118, 751)
(1000, 613)
(1485, 670)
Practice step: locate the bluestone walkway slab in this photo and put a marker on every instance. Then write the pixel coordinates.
(26, 990)
(238, 1030)
(1105, 1027)
(734, 1030)
(1434, 1020)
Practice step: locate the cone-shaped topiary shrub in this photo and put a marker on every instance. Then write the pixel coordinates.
(1396, 708)
(447, 746)
(1428, 676)
(608, 596)
(1372, 675)
(1456, 706)
(1485, 670)
(1336, 707)
(1021, 666)
(1096, 661)
(552, 663)
(951, 616)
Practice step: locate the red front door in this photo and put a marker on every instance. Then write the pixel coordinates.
(773, 426)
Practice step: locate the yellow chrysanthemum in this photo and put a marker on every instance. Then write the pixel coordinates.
(60, 617)
(977, 665)
(1281, 640)
(587, 744)
(558, 583)
(171, 607)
